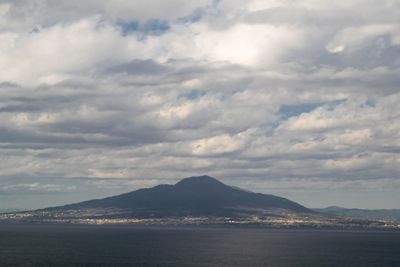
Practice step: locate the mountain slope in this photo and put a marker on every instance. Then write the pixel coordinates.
(193, 196)
(194, 201)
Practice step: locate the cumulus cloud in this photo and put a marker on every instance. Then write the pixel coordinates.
(271, 95)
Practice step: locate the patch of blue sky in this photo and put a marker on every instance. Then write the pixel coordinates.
(158, 27)
(287, 111)
(194, 94)
(198, 13)
(150, 27)
(333, 104)
(370, 103)
(35, 29)
(195, 16)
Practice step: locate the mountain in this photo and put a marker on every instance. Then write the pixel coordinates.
(381, 214)
(193, 196)
(201, 200)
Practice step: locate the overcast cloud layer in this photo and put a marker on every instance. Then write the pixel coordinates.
(295, 98)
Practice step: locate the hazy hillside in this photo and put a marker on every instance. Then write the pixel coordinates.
(386, 214)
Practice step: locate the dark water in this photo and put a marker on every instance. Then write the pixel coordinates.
(23, 245)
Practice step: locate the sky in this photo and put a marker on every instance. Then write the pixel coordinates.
(297, 98)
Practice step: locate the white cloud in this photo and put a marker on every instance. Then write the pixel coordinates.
(300, 93)
(356, 37)
(218, 144)
(64, 51)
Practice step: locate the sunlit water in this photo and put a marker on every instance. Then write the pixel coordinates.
(40, 245)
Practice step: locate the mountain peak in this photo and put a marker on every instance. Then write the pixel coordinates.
(203, 180)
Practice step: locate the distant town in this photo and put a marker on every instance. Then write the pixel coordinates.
(284, 220)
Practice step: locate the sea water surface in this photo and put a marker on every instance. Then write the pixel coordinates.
(69, 245)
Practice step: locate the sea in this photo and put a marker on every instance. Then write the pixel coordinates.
(87, 245)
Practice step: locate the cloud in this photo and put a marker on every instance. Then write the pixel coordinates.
(266, 94)
(36, 187)
(25, 15)
(355, 37)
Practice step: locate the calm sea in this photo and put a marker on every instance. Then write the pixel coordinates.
(56, 245)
